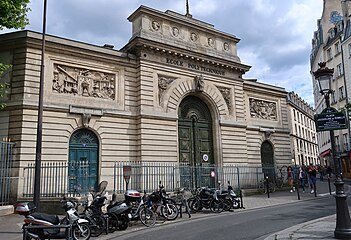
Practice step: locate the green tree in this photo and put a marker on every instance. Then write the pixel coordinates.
(13, 13)
(3, 86)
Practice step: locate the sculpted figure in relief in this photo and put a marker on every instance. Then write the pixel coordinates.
(155, 25)
(163, 83)
(210, 42)
(83, 82)
(193, 37)
(175, 31)
(199, 83)
(263, 109)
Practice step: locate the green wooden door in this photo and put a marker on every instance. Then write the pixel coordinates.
(267, 158)
(195, 143)
(83, 162)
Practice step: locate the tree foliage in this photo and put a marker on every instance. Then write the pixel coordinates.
(3, 86)
(13, 13)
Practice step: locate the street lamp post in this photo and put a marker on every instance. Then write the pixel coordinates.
(343, 224)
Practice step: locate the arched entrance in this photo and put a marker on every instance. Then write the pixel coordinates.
(267, 158)
(83, 161)
(195, 143)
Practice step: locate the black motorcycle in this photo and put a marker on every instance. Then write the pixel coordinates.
(43, 226)
(206, 198)
(94, 214)
(118, 215)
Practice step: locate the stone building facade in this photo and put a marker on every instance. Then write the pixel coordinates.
(331, 44)
(303, 135)
(174, 93)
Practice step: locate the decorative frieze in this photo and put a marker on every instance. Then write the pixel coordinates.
(83, 82)
(263, 109)
(163, 83)
(226, 95)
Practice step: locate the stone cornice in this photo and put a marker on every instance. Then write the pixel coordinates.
(56, 44)
(265, 89)
(139, 44)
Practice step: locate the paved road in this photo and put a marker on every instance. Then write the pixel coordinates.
(243, 221)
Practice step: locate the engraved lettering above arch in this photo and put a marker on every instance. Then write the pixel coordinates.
(83, 82)
(163, 83)
(263, 109)
(226, 95)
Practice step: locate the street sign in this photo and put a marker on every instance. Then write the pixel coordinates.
(127, 171)
(330, 119)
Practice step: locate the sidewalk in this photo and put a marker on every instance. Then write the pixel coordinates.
(10, 225)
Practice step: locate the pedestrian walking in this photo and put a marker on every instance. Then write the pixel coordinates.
(312, 173)
(291, 178)
(302, 176)
(321, 172)
(329, 171)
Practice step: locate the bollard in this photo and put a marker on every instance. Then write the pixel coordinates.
(315, 190)
(241, 200)
(267, 185)
(329, 185)
(297, 190)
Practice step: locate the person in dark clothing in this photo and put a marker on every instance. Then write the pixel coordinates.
(329, 171)
(312, 173)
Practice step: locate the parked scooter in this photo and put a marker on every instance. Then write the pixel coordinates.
(118, 215)
(230, 198)
(43, 226)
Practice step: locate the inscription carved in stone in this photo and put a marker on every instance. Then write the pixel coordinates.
(83, 82)
(226, 95)
(263, 109)
(163, 83)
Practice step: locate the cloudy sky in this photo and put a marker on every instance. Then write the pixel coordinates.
(275, 34)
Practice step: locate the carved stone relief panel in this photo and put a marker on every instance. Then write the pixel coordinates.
(163, 83)
(226, 95)
(83, 82)
(263, 109)
(155, 25)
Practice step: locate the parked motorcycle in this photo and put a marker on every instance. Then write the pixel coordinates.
(43, 226)
(94, 214)
(206, 198)
(230, 199)
(118, 215)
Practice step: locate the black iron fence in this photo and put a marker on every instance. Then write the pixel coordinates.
(55, 180)
(6, 154)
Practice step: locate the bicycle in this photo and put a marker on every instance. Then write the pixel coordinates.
(262, 186)
(181, 201)
(162, 205)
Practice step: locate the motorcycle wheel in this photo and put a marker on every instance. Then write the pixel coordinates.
(81, 231)
(123, 223)
(169, 212)
(97, 225)
(216, 206)
(147, 216)
(195, 205)
(236, 204)
(227, 204)
(112, 223)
